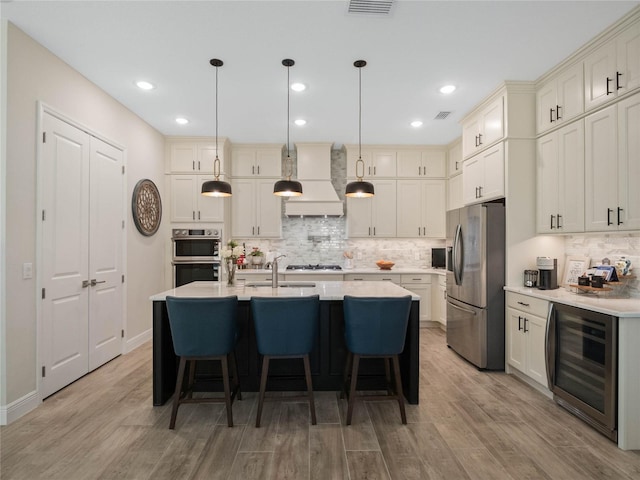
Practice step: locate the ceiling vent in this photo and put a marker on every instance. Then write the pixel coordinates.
(370, 7)
(442, 115)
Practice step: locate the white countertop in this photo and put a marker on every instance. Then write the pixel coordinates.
(619, 307)
(326, 290)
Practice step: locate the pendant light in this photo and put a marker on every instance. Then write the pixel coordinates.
(288, 187)
(359, 188)
(216, 187)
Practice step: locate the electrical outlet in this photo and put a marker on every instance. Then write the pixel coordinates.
(416, 255)
(359, 255)
(27, 271)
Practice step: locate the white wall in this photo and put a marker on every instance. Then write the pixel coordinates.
(34, 74)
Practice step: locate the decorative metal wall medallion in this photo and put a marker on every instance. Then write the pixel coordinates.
(146, 207)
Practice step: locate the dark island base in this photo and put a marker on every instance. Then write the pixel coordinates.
(327, 358)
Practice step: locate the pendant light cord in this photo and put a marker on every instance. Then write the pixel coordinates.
(360, 115)
(216, 162)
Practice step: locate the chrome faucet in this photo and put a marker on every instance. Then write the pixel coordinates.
(274, 271)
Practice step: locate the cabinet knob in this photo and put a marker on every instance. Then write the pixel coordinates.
(618, 86)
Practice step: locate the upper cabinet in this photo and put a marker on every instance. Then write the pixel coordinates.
(374, 216)
(455, 158)
(417, 163)
(255, 210)
(379, 162)
(560, 99)
(483, 128)
(252, 161)
(613, 69)
(421, 208)
(189, 205)
(196, 154)
(483, 178)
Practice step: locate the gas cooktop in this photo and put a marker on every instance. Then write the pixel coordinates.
(314, 267)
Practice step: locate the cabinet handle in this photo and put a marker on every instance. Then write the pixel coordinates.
(374, 170)
(476, 140)
(444, 294)
(374, 231)
(551, 110)
(525, 324)
(609, 217)
(480, 191)
(552, 217)
(198, 164)
(258, 229)
(193, 165)
(253, 170)
(519, 323)
(523, 304)
(193, 214)
(456, 165)
(418, 231)
(618, 86)
(476, 192)
(559, 218)
(424, 231)
(620, 222)
(253, 230)
(198, 214)
(369, 170)
(258, 174)
(369, 231)
(479, 139)
(558, 117)
(608, 82)
(419, 171)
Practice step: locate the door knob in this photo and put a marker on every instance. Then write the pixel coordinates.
(94, 282)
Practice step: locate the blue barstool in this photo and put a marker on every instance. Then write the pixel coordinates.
(375, 327)
(204, 329)
(285, 328)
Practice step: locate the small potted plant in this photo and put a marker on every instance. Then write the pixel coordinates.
(256, 256)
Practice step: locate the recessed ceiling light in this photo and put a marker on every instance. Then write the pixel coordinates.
(298, 87)
(300, 122)
(181, 121)
(143, 85)
(416, 123)
(447, 89)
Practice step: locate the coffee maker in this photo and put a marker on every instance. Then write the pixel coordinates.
(548, 278)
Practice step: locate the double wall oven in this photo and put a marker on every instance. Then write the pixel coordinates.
(195, 256)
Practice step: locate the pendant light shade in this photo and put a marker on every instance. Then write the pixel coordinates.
(288, 187)
(216, 187)
(359, 188)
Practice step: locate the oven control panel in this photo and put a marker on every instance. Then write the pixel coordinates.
(185, 232)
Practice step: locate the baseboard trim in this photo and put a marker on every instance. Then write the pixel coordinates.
(10, 413)
(529, 381)
(429, 324)
(137, 341)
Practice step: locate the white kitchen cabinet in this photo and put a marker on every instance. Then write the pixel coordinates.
(560, 180)
(483, 128)
(255, 210)
(561, 98)
(613, 69)
(420, 285)
(189, 205)
(454, 193)
(373, 216)
(526, 326)
(256, 161)
(378, 162)
(483, 178)
(439, 300)
(612, 167)
(196, 155)
(382, 276)
(421, 208)
(454, 158)
(416, 163)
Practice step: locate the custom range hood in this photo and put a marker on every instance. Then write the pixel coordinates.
(319, 198)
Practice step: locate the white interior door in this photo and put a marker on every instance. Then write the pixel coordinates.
(105, 253)
(81, 259)
(65, 254)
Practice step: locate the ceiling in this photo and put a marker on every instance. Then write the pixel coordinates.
(411, 52)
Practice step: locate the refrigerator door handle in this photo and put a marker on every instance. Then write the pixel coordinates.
(457, 256)
(466, 310)
(549, 346)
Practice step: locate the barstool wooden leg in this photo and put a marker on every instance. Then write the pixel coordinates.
(236, 378)
(192, 377)
(352, 389)
(227, 389)
(176, 393)
(263, 387)
(387, 374)
(307, 374)
(400, 395)
(345, 374)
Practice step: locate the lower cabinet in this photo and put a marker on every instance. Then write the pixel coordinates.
(439, 300)
(526, 327)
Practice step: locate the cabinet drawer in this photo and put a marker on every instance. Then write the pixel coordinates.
(373, 277)
(524, 303)
(417, 278)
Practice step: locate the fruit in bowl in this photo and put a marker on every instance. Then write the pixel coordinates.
(384, 264)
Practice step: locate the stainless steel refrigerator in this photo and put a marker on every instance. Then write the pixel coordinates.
(475, 281)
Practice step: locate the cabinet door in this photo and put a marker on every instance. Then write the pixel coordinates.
(571, 178)
(410, 208)
(433, 208)
(548, 184)
(472, 179)
(243, 201)
(434, 164)
(454, 193)
(210, 209)
(546, 103)
(183, 207)
(470, 131)
(628, 45)
(534, 332)
(359, 216)
(383, 212)
(383, 164)
(491, 126)
(243, 162)
(424, 290)
(455, 159)
(206, 159)
(184, 157)
(492, 173)
(516, 340)
(600, 76)
(629, 162)
(268, 162)
(410, 163)
(601, 170)
(268, 210)
(352, 158)
(570, 94)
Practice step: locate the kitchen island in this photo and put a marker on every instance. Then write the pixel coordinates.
(327, 358)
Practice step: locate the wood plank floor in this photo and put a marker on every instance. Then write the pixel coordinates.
(469, 425)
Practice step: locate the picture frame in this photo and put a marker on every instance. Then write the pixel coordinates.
(574, 267)
(608, 272)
